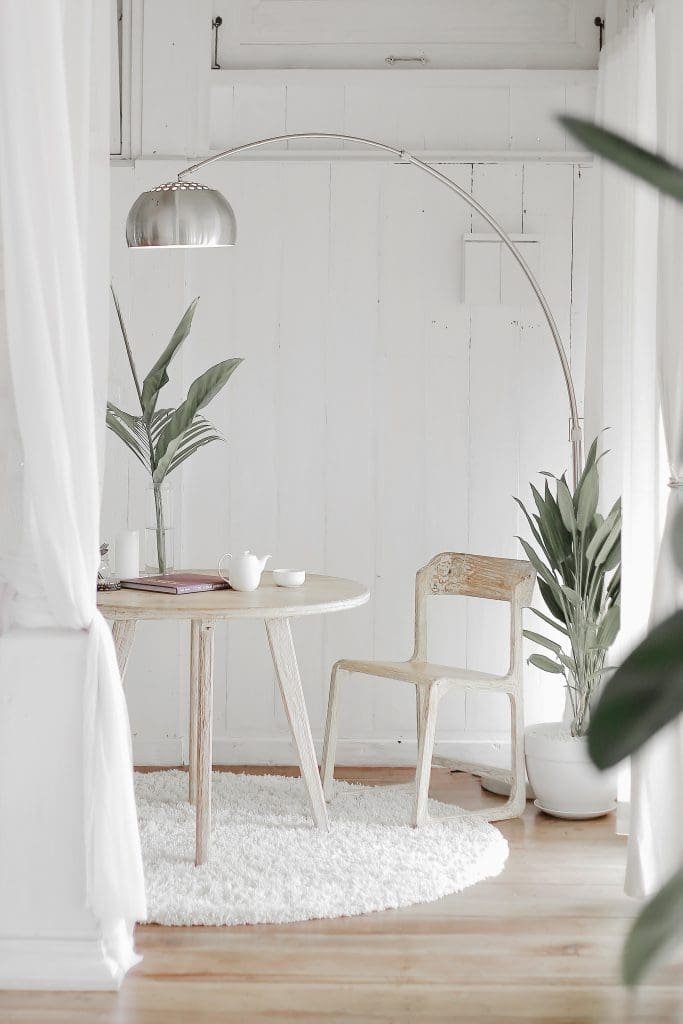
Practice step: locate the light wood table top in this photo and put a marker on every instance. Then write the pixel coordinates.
(317, 596)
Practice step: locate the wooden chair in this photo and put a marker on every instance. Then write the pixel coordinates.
(498, 579)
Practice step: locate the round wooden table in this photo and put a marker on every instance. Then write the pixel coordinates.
(276, 606)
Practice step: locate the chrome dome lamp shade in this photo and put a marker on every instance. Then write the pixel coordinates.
(180, 214)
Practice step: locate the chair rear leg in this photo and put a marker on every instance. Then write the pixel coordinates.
(518, 789)
(516, 803)
(331, 730)
(427, 703)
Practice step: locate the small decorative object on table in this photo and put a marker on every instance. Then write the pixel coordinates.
(127, 554)
(161, 439)
(105, 580)
(578, 562)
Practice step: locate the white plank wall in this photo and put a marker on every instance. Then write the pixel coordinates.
(376, 420)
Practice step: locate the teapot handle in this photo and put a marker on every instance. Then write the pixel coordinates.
(220, 572)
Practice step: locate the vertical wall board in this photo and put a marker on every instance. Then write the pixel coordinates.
(352, 419)
(493, 479)
(400, 397)
(482, 118)
(302, 372)
(580, 102)
(258, 112)
(584, 213)
(494, 341)
(175, 61)
(373, 114)
(221, 114)
(499, 188)
(308, 110)
(544, 406)
(534, 118)
(120, 391)
(156, 673)
(446, 430)
(251, 328)
(206, 477)
(548, 213)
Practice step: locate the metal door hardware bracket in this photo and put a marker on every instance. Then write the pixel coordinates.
(215, 25)
(391, 60)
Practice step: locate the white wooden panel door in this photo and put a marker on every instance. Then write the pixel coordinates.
(364, 33)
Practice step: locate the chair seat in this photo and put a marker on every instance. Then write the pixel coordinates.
(424, 672)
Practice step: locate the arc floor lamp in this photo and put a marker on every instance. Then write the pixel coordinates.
(187, 214)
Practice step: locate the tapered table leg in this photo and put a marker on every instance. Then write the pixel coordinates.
(204, 687)
(287, 670)
(124, 634)
(195, 631)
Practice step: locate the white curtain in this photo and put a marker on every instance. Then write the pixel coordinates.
(621, 391)
(656, 840)
(54, 82)
(621, 378)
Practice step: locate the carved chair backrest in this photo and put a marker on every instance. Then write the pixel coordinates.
(496, 579)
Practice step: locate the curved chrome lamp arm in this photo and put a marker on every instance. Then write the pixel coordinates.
(575, 425)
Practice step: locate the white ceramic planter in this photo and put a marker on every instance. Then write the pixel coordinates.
(565, 781)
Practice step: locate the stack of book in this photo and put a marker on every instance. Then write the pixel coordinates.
(178, 583)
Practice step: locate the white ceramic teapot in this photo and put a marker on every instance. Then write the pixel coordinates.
(245, 570)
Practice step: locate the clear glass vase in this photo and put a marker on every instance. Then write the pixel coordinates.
(159, 532)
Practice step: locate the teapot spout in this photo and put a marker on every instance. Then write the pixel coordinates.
(262, 562)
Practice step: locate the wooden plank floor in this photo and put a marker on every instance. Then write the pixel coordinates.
(539, 943)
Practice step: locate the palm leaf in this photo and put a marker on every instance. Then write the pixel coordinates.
(566, 506)
(158, 375)
(537, 638)
(644, 694)
(588, 496)
(127, 429)
(552, 604)
(200, 434)
(532, 526)
(549, 621)
(657, 930)
(200, 393)
(546, 664)
(643, 163)
(609, 627)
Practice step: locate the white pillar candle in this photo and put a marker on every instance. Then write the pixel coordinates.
(128, 554)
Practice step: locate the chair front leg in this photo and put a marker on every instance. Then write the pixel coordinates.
(427, 704)
(331, 731)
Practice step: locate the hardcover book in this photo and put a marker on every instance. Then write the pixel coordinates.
(177, 583)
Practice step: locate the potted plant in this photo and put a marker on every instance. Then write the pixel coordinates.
(162, 439)
(578, 561)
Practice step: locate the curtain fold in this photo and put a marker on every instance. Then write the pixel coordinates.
(656, 840)
(621, 394)
(621, 372)
(54, 198)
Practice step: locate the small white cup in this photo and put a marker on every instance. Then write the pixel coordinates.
(289, 577)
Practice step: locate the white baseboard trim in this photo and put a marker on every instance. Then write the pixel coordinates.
(385, 753)
(166, 753)
(52, 964)
(280, 750)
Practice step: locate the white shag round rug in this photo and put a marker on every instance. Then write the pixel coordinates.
(270, 864)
